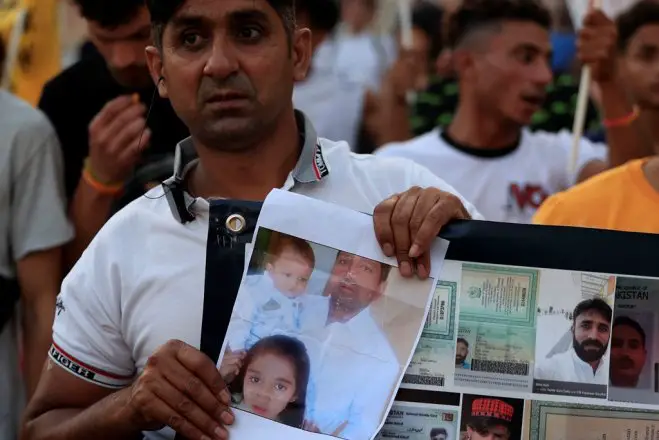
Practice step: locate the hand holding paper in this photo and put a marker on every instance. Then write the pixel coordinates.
(180, 388)
(406, 225)
(328, 356)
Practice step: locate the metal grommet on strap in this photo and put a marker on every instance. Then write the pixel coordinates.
(236, 223)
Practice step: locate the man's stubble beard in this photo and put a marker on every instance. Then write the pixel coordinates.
(623, 380)
(588, 355)
(238, 133)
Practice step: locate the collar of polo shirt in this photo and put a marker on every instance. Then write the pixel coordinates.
(311, 165)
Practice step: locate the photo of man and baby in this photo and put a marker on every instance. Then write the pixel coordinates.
(318, 338)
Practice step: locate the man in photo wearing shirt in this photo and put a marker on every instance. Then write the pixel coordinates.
(501, 55)
(584, 361)
(125, 360)
(461, 354)
(336, 403)
(621, 198)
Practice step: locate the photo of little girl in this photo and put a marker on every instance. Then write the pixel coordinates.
(272, 380)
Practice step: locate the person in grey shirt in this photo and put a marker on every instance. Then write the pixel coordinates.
(33, 227)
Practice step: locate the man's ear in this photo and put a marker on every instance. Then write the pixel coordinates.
(301, 53)
(154, 62)
(462, 62)
(444, 63)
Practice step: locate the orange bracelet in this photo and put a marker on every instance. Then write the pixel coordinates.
(110, 190)
(622, 121)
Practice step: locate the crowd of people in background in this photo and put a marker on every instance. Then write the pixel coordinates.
(484, 98)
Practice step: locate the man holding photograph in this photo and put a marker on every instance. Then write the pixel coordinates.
(583, 363)
(125, 361)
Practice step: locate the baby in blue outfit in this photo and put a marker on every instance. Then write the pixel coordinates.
(276, 301)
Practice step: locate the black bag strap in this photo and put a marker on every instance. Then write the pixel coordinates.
(225, 263)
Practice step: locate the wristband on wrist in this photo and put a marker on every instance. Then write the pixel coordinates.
(622, 121)
(110, 189)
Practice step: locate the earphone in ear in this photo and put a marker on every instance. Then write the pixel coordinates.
(161, 79)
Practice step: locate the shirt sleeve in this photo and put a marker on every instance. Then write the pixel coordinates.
(425, 179)
(37, 187)
(588, 152)
(365, 413)
(87, 333)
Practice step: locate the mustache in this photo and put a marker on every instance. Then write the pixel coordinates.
(592, 343)
(623, 363)
(239, 83)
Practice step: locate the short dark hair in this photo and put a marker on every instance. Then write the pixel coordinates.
(463, 340)
(280, 242)
(640, 14)
(629, 322)
(438, 431)
(427, 17)
(596, 304)
(162, 11)
(296, 353)
(109, 13)
(324, 15)
(476, 14)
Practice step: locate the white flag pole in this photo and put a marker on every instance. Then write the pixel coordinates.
(405, 18)
(580, 111)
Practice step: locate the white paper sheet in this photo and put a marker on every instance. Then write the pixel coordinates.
(320, 307)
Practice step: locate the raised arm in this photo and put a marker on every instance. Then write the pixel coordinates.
(626, 140)
(113, 143)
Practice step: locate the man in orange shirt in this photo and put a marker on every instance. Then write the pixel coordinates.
(621, 198)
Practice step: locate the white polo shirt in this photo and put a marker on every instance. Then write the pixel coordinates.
(140, 282)
(505, 185)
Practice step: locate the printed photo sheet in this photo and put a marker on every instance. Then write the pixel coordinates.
(575, 346)
(323, 327)
(434, 415)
